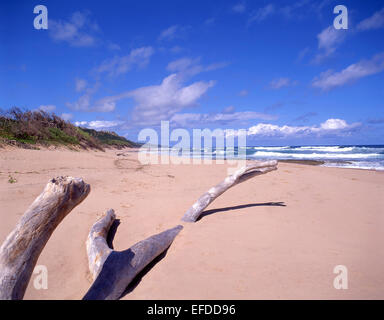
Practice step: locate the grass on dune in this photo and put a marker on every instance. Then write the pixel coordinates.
(32, 128)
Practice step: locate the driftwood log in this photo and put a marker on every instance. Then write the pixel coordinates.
(21, 249)
(251, 170)
(112, 270)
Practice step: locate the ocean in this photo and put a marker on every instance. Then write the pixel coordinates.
(349, 156)
(357, 156)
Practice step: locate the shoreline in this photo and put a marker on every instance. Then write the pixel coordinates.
(122, 150)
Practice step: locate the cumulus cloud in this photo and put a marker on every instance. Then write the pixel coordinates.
(119, 65)
(81, 123)
(153, 103)
(281, 82)
(98, 124)
(156, 102)
(78, 31)
(330, 79)
(329, 127)
(113, 67)
(161, 102)
(375, 21)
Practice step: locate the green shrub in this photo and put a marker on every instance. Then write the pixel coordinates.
(39, 127)
(60, 136)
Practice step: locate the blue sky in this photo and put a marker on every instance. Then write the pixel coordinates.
(277, 68)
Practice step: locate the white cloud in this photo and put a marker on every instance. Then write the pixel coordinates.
(223, 118)
(334, 124)
(81, 123)
(119, 65)
(116, 66)
(328, 40)
(329, 79)
(157, 102)
(243, 93)
(77, 31)
(190, 67)
(281, 82)
(161, 102)
(172, 33)
(154, 103)
(183, 64)
(375, 21)
(330, 126)
(294, 10)
(84, 101)
(98, 124)
(47, 108)
(81, 84)
(66, 116)
(106, 104)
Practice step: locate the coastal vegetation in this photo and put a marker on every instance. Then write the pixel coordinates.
(32, 129)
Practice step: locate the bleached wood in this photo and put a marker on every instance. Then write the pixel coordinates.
(251, 170)
(114, 270)
(22, 247)
(97, 247)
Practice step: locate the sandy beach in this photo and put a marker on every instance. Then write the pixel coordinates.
(276, 236)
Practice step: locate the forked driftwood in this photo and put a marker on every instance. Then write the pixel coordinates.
(21, 249)
(112, 270)
(251, 170)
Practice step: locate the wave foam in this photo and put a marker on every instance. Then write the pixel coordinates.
(315, 155)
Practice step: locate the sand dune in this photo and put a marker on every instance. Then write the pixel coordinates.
(277, 236)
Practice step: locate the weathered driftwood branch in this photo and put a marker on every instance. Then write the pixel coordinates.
(97, 247)
(114, 270)
(21, 249)
(251, 170)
